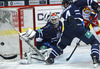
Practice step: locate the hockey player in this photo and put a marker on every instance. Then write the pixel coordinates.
(88, 13)
(50, 33)
(47, 36)
(73, 28)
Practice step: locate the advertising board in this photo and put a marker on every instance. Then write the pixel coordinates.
(15, 3)
(41, 11)
(37, 2)
(1, 3)
(55, 1)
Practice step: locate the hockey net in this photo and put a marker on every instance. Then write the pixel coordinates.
(21, 19)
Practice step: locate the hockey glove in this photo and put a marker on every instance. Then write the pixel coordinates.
(98, 9)
(70, 19)
(95, 7)
(92, 14)
(28, 35)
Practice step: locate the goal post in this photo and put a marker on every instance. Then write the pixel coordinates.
(22, 19)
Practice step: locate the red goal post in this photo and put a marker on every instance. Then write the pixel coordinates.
(18, 17)
(23, 18)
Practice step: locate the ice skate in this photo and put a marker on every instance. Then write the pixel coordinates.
(50, 60)
(95, 60)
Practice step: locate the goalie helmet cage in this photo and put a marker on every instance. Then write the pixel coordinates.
(22, 18)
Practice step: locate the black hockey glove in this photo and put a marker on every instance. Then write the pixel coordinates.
(70, 19)
(95, 7)
(92, 14)
(98, 9)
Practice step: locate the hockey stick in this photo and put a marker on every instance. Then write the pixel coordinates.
(35, 49)
(28, 42)
(9, 57)
(5, 17)
(38, 59)
(78, 43)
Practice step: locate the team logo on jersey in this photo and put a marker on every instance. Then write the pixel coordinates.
(43, 47)
(88, 34)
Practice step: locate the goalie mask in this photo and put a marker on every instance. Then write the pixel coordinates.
(54, 20)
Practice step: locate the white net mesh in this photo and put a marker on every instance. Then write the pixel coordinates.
(8, 34)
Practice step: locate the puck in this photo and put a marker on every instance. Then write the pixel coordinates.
(2, 43)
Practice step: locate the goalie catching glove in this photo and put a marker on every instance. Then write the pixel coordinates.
(28, 35)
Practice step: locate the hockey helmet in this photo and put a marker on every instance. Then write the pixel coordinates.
(68, 2)
(87, 9)
(54, 19)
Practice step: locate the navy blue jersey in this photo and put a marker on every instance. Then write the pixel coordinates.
(73, 28)
(75, 8)
(49, 33)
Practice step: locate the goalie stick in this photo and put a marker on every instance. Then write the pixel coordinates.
(78, 43)
(35, 49)
(38, 59)
(28, 42)
(9, 57)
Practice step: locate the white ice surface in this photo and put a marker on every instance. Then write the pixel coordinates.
(80, 60)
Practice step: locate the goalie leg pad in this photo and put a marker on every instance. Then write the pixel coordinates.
(27, 59)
